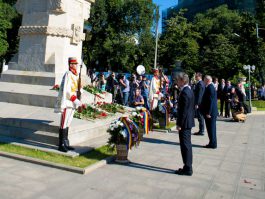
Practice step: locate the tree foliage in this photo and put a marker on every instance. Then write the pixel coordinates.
(121, 35)
(179, 43)
(9, 24)
(218, 42)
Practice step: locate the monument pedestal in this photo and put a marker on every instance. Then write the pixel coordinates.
(51, 32)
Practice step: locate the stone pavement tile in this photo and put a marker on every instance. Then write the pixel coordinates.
(94, 194)
(225, 177)
(252, 171)
(10, 179)
(43, 197)
(217, 195)
(196, 180)
(188, 192)
(67, 189)
(13, 191)
(204, 169)
(223, 187)
(230, 167)
(211, 162)
(234, 157)
(249, 192)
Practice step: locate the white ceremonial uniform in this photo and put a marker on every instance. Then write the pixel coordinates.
(67, 102)
(154, 92)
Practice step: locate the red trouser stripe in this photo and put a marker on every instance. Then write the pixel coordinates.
(63, 118)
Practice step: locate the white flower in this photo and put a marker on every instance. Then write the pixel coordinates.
(138, 108)
(121, 124)
(134, 113)
(112, 129)
(123, 133)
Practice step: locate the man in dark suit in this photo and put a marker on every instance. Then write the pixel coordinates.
(185, 122)
(198, 93)
(210, 111)
(221, 96)
(228, 98)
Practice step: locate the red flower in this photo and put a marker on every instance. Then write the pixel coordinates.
(84, 106)
(103, 114)
(55, 87)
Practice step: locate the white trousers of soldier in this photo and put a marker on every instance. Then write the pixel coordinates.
(67, 117)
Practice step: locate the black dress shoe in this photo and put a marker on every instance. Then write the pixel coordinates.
(184, 172)
(199, 133)
(209, 146)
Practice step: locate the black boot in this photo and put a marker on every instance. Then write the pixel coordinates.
(66, 140)
(62, 146)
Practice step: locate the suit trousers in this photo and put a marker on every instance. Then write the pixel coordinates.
(186, 148)
(211, 130)
(227, 109)
(222, 101)
(200, 120)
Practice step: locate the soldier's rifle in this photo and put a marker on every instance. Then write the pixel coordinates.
(80, 85)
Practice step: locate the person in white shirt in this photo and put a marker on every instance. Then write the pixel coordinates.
(67, 103)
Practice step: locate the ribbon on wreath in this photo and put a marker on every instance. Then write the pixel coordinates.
(128, 131)
(146, 121)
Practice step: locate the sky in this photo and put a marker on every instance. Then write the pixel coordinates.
(163, 4)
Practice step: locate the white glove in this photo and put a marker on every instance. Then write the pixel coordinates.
(77, 103)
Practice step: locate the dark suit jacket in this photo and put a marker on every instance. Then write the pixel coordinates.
(227, 93)
(198, 92)
(209, 101)
(221, 94)
(185, 118)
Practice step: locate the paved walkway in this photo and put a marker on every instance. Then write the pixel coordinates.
(235, 170)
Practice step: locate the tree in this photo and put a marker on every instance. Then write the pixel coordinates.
(120, 34)
(9, 24)
(179, 42)
(218, 49)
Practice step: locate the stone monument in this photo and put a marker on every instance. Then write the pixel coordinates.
(51, 31)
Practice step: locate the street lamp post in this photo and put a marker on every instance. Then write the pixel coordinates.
(249, 68)
(157, 20)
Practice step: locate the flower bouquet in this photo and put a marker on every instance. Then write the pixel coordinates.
(56, 87)
(124, 135)
(141, 116)
(92, 89)
(138, 119)
(89, 112)
(110, 107)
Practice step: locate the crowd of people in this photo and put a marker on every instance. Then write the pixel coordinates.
(187, 101)
(134, 91)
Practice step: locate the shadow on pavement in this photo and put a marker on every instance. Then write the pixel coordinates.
(158, 141)
(149, 167)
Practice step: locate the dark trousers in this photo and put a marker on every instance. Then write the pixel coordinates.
(200, 120)
(222, 101)
(211, 130)
(146, 102)
(186, 148)
(227, 108)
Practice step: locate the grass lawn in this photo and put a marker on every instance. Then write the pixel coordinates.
(81, 161)
(260, 104)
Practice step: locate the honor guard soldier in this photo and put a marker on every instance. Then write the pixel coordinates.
(67, 103)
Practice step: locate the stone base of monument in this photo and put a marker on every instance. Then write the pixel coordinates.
(37, 127)
(27, 116)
